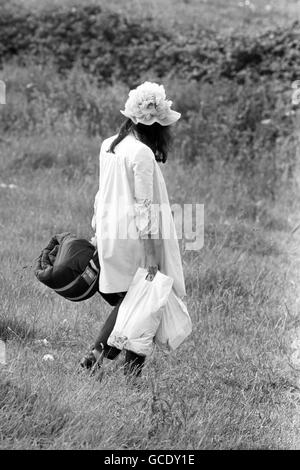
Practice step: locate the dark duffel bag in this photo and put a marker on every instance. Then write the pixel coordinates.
(70, 266)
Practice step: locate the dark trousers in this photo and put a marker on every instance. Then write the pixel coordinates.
(133, 362)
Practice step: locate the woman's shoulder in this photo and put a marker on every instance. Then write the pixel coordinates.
(130, 145)
(108, 141)
(138, 148)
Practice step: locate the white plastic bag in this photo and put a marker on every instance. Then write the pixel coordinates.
(175, 324)
(140, 313)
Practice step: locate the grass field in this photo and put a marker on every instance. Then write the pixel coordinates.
(234, 383)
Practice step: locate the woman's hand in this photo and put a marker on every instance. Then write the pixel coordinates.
(151, 263)
(152, 268)
(93, 241)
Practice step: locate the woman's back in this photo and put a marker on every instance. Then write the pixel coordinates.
(120, 248)
(130, 181)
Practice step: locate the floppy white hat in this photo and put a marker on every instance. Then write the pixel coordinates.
(147, 104)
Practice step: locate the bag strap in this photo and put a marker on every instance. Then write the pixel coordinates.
(88, 277)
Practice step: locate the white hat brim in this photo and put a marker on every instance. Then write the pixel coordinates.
(171, 118)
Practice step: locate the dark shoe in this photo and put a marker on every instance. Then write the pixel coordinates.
(90, 362)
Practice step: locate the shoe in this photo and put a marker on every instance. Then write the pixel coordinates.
(90, 362)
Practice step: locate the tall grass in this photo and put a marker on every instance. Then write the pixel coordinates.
(228, 386)
(247, 128)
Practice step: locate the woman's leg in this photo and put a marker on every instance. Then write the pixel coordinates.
(133, 364)
(101, 348)
(110, 352)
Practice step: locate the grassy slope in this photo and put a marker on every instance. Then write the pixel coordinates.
(228, 386)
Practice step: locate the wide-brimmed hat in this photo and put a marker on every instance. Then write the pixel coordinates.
(147, 104)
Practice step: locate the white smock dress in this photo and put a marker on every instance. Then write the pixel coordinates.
(132, 202)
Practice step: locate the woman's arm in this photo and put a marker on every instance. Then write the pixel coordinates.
(151, 257)
(146, 221)
(94, 218)
(93, 222)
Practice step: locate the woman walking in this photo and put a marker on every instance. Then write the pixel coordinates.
(132, 218)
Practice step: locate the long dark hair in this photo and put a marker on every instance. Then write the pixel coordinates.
(157, 137)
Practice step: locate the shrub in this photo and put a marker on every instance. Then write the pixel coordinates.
(110, 46)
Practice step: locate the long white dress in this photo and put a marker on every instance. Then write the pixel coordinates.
(131, 202)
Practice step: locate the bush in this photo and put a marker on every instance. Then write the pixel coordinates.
(113, 47)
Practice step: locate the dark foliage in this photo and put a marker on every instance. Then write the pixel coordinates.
(111, 47)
